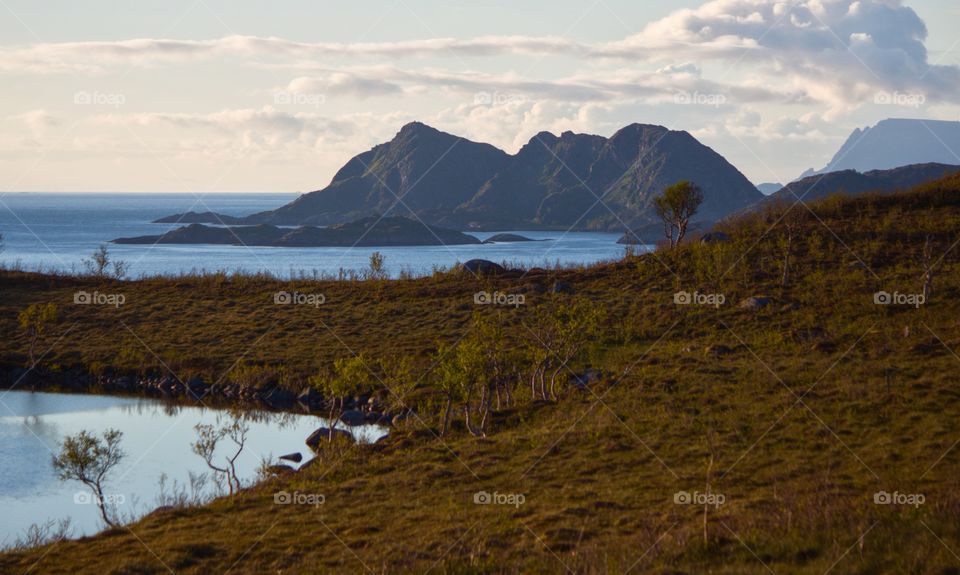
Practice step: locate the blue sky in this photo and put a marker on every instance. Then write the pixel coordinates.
(232, 95)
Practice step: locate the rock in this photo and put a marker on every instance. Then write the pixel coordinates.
(483, 267)
(718, 350)
(755, 303)
(294, 457)
(561, 287)
(825, 346)
(353, 417)
(279, 397)
(310, 397)
(589, 377)
(197, 388)
(809, 335)
(323, 433)
(714, 238)
(280, 469)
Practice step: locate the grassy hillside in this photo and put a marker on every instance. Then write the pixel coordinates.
(793, 410)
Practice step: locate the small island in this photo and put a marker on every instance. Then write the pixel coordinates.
(508, 238)
(366, 232)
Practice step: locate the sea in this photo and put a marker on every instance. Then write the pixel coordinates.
(56, 232)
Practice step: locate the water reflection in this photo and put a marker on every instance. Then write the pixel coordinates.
(157, 438)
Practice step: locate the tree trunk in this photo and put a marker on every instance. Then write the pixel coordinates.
(98, 493)
(446, 416)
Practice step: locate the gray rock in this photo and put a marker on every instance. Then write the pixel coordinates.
(718, 350)
(323, 433)
(294, 457)
(755, 303)
(197, 388)
(353, 417)
(483, 267)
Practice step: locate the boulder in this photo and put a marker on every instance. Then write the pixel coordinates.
(197, 388)
(561, 287)
(323, 433)
(718, 350)
(279, 397)
(483, 267)
(588, 377)
(755, 303)
(294, 457)
(353, 417)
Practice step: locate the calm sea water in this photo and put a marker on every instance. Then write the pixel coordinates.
(156, 438)
(57, 231)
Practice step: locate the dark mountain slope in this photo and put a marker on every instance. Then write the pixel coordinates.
(552, 182)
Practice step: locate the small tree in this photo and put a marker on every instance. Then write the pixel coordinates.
(473, 384)
(575, 325)
(36, 321)
(378, 269)
(209, 437)
(100, 264)
(399, 379)
(447, 380)
(678, 204)
(931, 266)
(351, 377)
(88, 459)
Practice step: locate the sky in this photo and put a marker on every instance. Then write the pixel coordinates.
(241, 95)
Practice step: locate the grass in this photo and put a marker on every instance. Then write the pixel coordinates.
(797, 413)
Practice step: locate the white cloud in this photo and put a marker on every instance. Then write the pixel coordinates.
(836, 51)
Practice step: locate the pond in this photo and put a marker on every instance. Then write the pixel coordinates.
(157, 438)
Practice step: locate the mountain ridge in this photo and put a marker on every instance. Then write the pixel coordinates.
(570, 181)
(894, 143)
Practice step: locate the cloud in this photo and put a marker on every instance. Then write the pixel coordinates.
(100, 56)
(836, 51)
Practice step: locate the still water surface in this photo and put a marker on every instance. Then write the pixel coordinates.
(156, 438)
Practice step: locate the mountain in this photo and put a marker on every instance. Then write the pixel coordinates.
(851, 182)
(371, 231)
(558, 181)
(897, 142)
(552, 182)
(771, 188)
